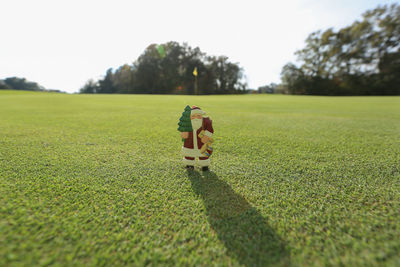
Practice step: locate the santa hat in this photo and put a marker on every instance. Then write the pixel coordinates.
(196, 110)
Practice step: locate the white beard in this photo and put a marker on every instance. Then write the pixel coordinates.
(197, 123)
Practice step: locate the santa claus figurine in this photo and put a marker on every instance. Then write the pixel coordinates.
(197, 143)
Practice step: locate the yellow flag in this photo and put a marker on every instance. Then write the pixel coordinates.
(195, 71)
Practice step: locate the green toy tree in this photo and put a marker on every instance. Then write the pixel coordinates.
(185, 124)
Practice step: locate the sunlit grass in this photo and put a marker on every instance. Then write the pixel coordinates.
(97, 179)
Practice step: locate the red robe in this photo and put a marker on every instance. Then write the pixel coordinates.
(189, 149)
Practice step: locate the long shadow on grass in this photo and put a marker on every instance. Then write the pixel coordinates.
(243, 230)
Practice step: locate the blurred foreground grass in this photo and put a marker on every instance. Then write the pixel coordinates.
(295, 180)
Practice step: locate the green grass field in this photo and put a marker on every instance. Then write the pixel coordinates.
(294, 181)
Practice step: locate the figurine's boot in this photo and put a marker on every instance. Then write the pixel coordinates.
(189, 162)
(204, 163)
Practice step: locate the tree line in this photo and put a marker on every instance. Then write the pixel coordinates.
(361, 59)
(16, 83)
(170, 68)
(20, 84)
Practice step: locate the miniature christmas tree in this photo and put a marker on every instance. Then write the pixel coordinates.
(185, 124)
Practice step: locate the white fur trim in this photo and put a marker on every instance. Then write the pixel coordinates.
(197, 111)
(189, 152)
(189, 162)
(207, 133)
(204, 163)
(195, 139)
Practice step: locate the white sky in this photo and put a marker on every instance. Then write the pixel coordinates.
(60, 44)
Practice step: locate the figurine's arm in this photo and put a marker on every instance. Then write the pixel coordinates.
(184, 135)
(205, 139)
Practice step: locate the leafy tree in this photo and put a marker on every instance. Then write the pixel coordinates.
(168, 68)
(361, 59)
(228, 76)
(106, 86)
(21, 84)
(3, 85)
(91, 87)
(294, 79)
(123, 79)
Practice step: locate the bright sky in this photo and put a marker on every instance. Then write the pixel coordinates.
(60, 44)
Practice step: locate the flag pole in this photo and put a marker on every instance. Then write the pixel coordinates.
(195, 80)
(195, 85)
